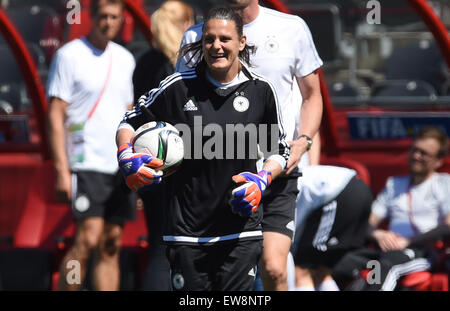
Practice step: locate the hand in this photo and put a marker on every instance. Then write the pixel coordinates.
(63, 186)
(298, 148)
(245, 198)
(139, 169)
(390, 241)
(402, 242)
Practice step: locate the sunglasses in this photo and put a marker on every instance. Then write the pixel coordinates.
(423, 153)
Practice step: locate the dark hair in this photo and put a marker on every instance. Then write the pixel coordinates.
(435, 133)
(218, 13)
(95, 4)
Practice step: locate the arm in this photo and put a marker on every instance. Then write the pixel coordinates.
(311, 116)
(386, 240)
(247, 195)
(441, 231)
(123, 136)
(57, 142)
(139, 170)
(314, 152)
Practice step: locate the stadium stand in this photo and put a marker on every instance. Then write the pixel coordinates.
(38, 24)
(403, 88)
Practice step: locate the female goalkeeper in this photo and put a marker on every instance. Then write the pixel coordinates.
(212, 220)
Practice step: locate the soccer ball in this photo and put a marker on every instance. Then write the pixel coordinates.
(161, 140)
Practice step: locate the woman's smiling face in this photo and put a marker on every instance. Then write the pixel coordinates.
(221, 47)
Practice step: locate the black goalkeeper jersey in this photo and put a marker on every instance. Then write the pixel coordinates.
(197, 195)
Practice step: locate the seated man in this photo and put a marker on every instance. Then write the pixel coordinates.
(418, 207)
(333, 208)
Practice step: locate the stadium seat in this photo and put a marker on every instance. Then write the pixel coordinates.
(397, 13)
(38, 24)
(5, 108)
(343, 89)
(324, 21)
(402, 88)
(424, 62)
(38, 55)
(10, 71)
(16, 95)
(418, 280)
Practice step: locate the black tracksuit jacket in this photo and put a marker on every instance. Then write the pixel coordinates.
(196, 197)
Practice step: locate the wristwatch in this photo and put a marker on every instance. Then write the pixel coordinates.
(308, 139)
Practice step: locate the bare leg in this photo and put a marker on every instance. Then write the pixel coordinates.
(303, 278)
(106, 262)
(273, 262)
(86, 239)
(323, 280)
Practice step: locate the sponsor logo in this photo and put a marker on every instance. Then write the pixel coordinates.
(190, 106)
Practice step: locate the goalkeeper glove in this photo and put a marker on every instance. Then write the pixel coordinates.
(245, 198)
(138, 168)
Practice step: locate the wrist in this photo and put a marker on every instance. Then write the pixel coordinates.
(123, 148)
(376, 233)
(266, 175)
(308, 141)
(61, 169)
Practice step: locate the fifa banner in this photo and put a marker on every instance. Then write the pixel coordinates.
(394, 125)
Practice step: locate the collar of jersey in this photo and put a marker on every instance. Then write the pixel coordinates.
(95, 51)
(260, 13)
(201, 72)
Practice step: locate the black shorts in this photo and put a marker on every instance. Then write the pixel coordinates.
(335, 228)
(279, 206)
(102, 195)
(220, 267)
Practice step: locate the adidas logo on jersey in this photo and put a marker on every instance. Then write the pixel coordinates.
(190, 106)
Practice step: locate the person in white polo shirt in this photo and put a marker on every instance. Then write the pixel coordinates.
(89, 90)
(418, 208)
(287, 57)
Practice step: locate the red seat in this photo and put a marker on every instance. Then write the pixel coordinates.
(439, 282)
(417, 280)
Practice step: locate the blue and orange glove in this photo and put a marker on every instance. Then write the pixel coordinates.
(245, 198)
(138, 168)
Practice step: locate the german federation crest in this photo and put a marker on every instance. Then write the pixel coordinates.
(271, 45)
(241, 103)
